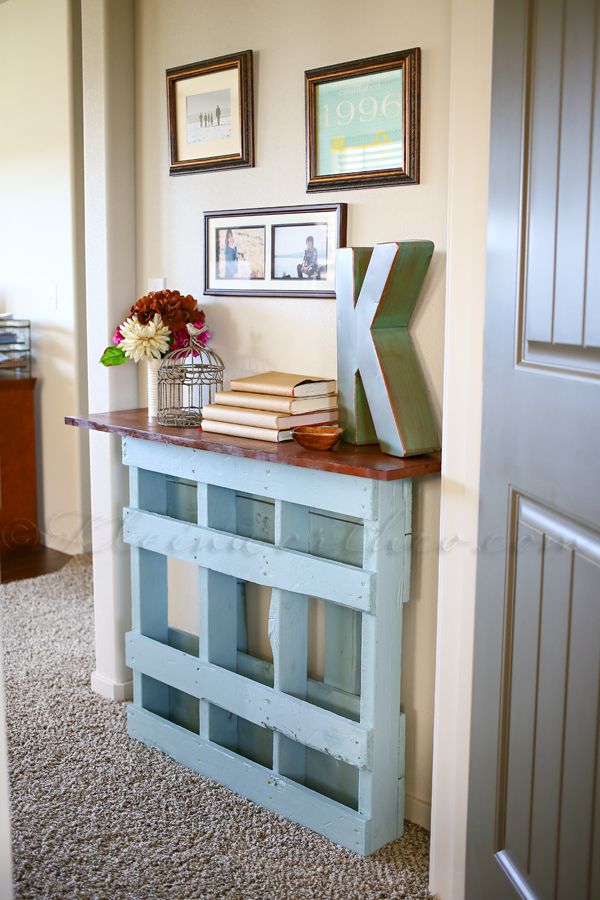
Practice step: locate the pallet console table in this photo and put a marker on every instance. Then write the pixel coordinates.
(335, 526)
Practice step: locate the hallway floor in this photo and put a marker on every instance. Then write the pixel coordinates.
(97, 815)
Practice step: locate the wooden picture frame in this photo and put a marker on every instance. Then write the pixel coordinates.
(363, 122)
(211, 114)
(277, 251)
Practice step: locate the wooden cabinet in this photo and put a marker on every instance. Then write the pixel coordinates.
(18, 490)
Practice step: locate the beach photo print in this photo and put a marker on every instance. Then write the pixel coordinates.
(211, 115)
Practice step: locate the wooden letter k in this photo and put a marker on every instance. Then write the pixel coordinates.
(382, 392)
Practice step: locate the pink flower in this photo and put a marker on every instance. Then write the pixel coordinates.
(117, 336)
(181, 339)
(206, 335)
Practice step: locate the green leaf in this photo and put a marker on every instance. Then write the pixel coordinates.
(113, 356)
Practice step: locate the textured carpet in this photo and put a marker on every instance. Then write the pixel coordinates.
(97, 815)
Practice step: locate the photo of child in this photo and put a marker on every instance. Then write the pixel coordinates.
(300, 251)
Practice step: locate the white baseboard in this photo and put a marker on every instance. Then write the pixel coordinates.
(112, 690)
(418, 811)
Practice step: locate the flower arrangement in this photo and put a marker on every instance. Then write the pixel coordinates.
(157, 323)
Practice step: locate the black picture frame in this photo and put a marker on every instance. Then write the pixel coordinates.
(333, 216)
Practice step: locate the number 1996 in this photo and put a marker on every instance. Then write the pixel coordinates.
(365, 110)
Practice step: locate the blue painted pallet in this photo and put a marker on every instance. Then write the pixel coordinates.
(327, 754)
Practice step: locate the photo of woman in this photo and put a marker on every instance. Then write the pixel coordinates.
(240, 253)
(231, 255)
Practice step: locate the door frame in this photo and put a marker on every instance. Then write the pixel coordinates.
(468, 154)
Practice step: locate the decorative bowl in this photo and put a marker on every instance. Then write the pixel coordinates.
(317, 437)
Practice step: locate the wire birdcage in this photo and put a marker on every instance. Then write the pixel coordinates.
(187, 380)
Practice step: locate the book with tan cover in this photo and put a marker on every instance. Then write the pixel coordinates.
(285, 384)
(274, 403)
(248, 431)
(261, 418)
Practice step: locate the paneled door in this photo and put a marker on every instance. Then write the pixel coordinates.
(534, 804)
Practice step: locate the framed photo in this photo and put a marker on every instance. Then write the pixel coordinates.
(281, 251)
(362, 122)
(240, 253)
(211, 114)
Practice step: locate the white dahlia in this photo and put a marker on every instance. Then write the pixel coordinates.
(149, 341)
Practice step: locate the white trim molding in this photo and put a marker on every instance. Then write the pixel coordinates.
(469, 134)
(112, 690)
(109, 140)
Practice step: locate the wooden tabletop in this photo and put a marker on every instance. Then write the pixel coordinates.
(345, 459)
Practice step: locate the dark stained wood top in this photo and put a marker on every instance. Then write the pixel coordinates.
(345, 459)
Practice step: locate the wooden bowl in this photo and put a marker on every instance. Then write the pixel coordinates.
(317, 437)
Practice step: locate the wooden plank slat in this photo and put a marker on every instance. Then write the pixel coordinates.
(343, 494)
(296, 719)
(407, 492)
(401, 775)
(288, 634)
(149, 590)
(251, 560)
(336, 537)
(317, 692)
(332, 777)
(218, 600)
(381, 653)
(341, 664)
(181, 499)
(335, 821)
(255, 518)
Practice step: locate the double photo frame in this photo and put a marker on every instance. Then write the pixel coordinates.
(282, 251)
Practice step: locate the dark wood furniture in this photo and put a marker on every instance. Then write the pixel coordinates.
(18, 489)
(21, 554)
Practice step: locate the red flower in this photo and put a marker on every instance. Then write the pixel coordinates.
(176, 310)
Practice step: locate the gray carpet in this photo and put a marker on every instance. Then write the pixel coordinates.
(97, 815)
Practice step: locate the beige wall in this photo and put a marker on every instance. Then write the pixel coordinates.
(251, 335)
(40, 168)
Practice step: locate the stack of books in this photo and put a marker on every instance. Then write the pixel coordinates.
(266, 407)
